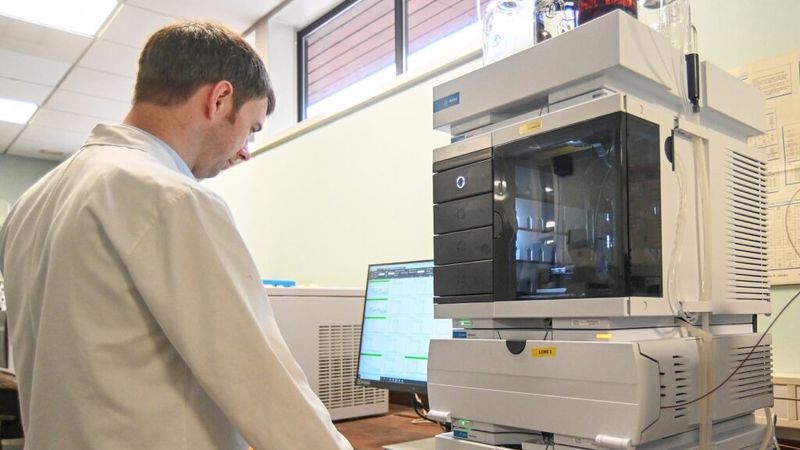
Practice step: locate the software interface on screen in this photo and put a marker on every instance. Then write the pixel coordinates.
(398, 324)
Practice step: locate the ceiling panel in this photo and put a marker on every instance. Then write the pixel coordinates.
(93, 77)
(8, 131)
(132, 26)
(58, 120)
(34, 139)
(20, 90)
(33, 150)
(40, 41)
(106, 56)
(99, 84)
(99, 108)
(32, 69)
(236, 14)
(4, 142)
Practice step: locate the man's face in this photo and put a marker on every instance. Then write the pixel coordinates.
(227, 142)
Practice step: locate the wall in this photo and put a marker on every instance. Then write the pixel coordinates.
(732, 33)
(785, 333)
(319, 208)
(16, 175)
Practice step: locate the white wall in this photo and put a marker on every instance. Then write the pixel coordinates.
(321, 207)
(734, 32)
(785, 333)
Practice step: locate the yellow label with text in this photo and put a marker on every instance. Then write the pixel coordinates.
(527, 127)
(543, 352)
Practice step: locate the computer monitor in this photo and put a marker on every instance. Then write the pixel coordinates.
(397, 326)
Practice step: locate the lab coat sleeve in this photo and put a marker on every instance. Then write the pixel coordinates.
(198, 279)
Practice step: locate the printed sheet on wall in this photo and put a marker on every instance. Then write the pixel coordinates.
(779, 80)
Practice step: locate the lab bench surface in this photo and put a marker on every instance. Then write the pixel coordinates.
(399, 425)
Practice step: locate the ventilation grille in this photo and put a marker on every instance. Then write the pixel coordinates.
(754, 378)
(676, 382)
(746, 217)
(338, 364)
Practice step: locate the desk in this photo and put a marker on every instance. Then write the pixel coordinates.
(372, 433)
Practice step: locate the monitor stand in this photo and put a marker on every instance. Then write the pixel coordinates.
(419, 444)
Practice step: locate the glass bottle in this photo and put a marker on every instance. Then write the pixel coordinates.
(672, 18)
(507, 28)
(554, 17)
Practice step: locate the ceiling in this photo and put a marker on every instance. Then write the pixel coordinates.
(79, 81)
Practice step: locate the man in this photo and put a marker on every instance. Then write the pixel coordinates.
(137, 316)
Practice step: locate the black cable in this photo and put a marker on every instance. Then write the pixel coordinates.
(763, 335)
(419, 408)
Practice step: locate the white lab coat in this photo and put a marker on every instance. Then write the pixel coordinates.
(137, 315)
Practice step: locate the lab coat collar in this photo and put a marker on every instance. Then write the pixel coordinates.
(131, 137)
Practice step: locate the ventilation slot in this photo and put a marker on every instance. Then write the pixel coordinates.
(338, 363)
(754, 377)
(746, 225)
(676, 385)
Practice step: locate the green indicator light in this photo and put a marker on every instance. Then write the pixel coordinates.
(465, 323)
(422, 358)
(375, 317)
(379, 280)
(464, 423)
(371, 354)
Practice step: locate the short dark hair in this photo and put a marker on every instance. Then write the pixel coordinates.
(180, 58)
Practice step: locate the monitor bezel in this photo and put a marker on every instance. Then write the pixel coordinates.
(415, 387)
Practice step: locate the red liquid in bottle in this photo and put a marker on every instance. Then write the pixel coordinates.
(590, 9)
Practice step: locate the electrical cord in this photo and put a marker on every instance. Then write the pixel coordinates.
(419, 408)
(774, 421)
(702, 225)
(673, 299)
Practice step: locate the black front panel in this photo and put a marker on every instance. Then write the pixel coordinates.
(463, 246)
(463, 279)
(572, 213)
(463, 214)
(462, 222)
(461, 182)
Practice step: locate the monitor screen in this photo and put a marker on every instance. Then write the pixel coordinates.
(397, 326)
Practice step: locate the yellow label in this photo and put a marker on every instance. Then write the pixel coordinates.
(543, 352)
(527, 127)
(603, 336)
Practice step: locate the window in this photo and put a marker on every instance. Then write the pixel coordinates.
(362, 45)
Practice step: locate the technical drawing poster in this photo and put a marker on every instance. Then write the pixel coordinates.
(779, 80)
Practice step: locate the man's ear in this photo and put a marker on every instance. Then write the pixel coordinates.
(220, 99)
